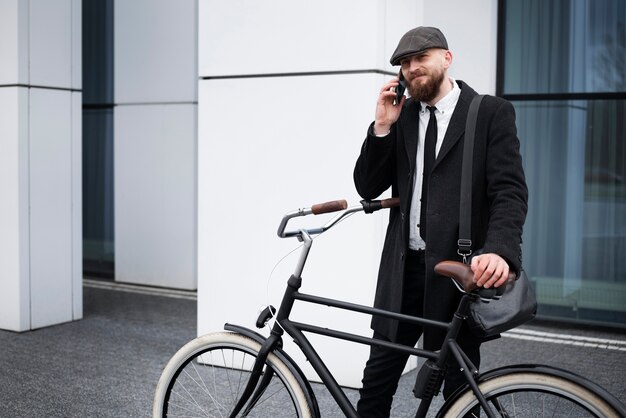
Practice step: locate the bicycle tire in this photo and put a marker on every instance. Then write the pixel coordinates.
(204, 377)
(534, 394)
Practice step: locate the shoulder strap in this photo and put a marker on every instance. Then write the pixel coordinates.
(465, 215)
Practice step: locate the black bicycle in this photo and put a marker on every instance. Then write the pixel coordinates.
(240, 373)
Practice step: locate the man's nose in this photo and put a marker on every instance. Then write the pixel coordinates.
(414, 64)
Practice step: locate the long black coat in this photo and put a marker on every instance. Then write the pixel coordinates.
(499, 201)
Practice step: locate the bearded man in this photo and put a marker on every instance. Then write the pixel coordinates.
(415, 147)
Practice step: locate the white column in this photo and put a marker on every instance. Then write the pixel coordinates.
(40, 156)
(155, 142)
(285, 100)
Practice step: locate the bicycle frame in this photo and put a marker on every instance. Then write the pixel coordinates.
(296, 331)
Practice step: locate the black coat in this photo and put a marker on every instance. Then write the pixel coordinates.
(499, 201)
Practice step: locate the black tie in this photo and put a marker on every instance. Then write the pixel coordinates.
(430, 142)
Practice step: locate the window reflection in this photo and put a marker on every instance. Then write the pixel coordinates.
(575, 235)
(98, 226)
(565, 46)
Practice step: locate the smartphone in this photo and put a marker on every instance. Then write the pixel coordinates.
(400, 89)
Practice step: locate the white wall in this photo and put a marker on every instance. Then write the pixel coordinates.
(268, 145)
(155, 142)
(471, 28)
(250, 176)
(40, 155)
(272, 139)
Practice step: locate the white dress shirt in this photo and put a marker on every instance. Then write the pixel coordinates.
(445, 108)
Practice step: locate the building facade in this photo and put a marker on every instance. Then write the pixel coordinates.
(159, 142)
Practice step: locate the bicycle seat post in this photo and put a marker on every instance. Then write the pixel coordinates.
(455, 327)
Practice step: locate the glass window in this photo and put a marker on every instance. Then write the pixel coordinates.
(562, 66)
(98, 226)
(575, 233)
(564, 46)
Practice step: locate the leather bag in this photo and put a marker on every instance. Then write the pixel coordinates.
(516, 306)
(518, 303)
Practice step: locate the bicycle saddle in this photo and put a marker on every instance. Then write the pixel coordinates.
(464, 276)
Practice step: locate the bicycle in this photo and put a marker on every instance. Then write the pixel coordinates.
(239, 372)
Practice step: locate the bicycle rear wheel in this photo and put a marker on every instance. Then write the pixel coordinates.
(534, 395)
(206, 377)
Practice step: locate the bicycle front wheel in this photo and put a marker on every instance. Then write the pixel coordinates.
(534, 395)
(206, 377)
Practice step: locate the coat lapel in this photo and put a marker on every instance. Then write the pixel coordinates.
(411, 123)
(456, 128)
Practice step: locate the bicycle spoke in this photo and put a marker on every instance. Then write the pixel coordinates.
(187, 401)
(213, 372)
(190, 399)
(202, 387)
(230, 386)
(537, 404)
(241, 367)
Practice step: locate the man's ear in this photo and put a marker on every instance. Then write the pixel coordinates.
(447, 59)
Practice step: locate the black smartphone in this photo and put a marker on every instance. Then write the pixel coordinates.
(400, 89)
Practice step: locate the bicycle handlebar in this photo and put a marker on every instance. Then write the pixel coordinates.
(368, 206)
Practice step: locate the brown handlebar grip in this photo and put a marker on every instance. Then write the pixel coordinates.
(327, 207)
(390, 203)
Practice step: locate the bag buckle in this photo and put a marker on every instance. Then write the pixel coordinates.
(465, 248)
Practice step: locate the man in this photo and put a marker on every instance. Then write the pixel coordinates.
(423, 230)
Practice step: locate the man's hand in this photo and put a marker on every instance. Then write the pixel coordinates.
(490, 270)
(386, 113)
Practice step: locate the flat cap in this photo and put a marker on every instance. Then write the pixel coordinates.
(417, 41)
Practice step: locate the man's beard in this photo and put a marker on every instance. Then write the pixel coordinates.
(427, 91)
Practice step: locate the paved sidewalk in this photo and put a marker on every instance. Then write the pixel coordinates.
(107, 364)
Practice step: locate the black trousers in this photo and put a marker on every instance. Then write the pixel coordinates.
(384, 367)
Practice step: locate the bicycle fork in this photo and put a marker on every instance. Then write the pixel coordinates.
(254, 390)
(256, 373)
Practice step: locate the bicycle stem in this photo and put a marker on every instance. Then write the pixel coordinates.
(307, 242)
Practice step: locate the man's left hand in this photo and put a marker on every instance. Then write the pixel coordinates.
(490, 270)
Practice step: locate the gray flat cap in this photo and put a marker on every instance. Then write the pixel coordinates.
(416, 41)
